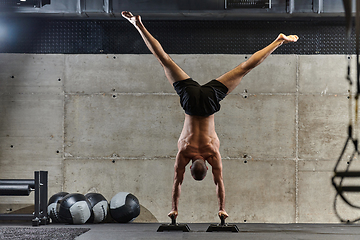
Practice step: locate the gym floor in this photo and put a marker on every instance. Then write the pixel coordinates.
(247, 231)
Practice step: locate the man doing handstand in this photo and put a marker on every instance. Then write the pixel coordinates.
(198, 141)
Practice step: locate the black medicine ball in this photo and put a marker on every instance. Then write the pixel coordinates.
(75, 209)
(99, 206)
(124, 207)
(53, 211)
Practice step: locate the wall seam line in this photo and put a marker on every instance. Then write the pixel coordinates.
(297, 143)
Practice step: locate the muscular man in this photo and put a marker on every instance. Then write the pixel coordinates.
(198, 141)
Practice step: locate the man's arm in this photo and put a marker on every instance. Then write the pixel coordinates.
(220, 190)
(216, 165)
(179, 169)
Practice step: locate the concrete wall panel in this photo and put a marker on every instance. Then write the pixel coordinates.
(325, 74)
(144, 126)
(31, 115)
(323, 124)
(31, 73)
(260, 126)
(277, 74)
(115, 73)
(260, 191)
(317, 195)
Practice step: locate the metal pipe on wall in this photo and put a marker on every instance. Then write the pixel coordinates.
(321, 6)
(291, 6)
(107, 6)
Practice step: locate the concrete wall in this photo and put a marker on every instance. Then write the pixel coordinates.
(110, 123)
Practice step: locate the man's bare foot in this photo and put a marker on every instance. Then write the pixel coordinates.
(286, 39)
(223, 213)
(134, 20)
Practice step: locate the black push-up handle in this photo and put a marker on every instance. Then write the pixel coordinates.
(174, 226)
(222, 227)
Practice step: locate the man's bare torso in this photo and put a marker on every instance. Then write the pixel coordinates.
(198, 139)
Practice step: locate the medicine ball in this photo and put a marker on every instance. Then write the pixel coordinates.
(99, 206)
(74, 209)
(52, 209)
(124, 207)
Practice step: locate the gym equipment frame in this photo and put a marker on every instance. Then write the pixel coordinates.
(23, 187)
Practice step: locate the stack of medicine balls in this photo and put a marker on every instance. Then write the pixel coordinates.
(76, 208)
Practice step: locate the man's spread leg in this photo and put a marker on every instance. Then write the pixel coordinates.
(172, 71)
(232, 78)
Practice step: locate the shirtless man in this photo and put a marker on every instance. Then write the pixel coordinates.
(198, 141)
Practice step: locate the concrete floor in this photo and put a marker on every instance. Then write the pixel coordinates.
(248, 231)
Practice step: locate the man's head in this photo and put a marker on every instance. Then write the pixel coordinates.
(198, 169)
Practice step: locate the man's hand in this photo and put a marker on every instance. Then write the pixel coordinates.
(173, 213)
(223, 213)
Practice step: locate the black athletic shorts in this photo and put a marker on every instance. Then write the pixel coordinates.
(200, 100)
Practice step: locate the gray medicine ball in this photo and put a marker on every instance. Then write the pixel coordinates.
(99, 206)
(124, 207)
(74, 209)
(53, 211)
